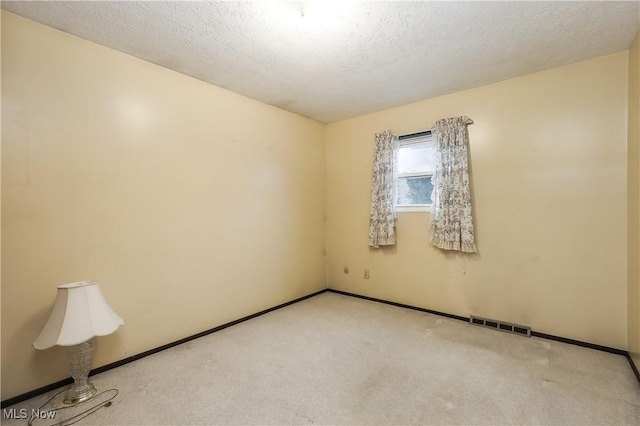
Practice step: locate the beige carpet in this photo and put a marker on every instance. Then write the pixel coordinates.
(334, 359)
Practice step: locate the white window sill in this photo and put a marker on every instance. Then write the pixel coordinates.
(415, 208)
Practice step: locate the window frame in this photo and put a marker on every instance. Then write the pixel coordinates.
(419, 138)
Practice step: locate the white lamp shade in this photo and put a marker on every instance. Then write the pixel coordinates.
(79, 314)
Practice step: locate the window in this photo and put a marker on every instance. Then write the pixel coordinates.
(416, 165)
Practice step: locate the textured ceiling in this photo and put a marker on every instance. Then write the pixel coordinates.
(344, 59)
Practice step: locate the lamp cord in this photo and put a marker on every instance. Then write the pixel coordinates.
(76, 418)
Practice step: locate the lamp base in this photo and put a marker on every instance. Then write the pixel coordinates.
(77, 394)
(80, 365)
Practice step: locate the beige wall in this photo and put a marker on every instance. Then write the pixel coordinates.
(548, 159)
(633, 191)
(191, 205)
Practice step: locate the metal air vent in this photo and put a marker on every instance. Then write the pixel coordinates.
(522, 330)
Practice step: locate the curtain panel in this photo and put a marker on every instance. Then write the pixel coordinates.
(451, 219)
(382, 217)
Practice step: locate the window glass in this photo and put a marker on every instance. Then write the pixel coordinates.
(416, 158)
(414, 190)
(416, 164)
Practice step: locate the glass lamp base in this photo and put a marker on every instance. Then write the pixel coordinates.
(80, 365)
(79, 393)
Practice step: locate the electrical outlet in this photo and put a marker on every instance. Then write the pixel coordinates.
(366, 274)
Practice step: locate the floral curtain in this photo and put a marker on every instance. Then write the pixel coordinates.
(451, 220)
(382, 217)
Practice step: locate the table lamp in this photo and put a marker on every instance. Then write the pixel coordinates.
(79, 314)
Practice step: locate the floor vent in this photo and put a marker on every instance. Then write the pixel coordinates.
(502, 326)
